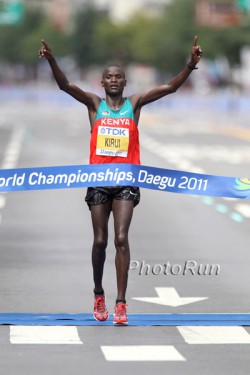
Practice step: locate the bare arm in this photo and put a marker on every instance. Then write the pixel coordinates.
(89, 99)
(172, 86)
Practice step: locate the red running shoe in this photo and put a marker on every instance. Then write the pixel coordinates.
(120, 315)
(100, 309)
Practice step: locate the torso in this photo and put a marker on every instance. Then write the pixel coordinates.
(114, 135)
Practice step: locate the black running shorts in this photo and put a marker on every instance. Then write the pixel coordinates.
(99, 195)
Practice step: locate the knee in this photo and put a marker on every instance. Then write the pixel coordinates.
(121, 243)
(100, 243)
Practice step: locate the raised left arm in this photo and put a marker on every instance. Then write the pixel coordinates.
(139, 100)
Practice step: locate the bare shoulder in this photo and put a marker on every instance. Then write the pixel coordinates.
(136, 104)
(95, 100)
(90, 99)
(135, 100)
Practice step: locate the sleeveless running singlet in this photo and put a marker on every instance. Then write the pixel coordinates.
(115, 136)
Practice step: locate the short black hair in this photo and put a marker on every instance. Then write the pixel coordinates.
(113, 65)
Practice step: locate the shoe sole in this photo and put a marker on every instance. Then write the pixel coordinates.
(98, 320)
(120, 324)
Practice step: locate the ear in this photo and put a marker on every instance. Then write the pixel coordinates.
(102, 83)
(125, 83)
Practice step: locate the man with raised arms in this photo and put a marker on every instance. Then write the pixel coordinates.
(114, 139)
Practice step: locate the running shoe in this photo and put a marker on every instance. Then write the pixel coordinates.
(120, 315)
(100, 309)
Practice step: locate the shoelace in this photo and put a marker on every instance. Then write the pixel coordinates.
(100, 304)
(121, 309)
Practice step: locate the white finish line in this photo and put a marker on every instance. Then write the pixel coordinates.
(141, 353)
(44, 335)
(214, 335)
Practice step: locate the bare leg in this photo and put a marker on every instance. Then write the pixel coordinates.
(100, 216)
(122, 212)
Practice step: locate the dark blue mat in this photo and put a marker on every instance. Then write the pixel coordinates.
(134, 319)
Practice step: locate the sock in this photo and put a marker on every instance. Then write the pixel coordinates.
(101, 293)
(120, 301)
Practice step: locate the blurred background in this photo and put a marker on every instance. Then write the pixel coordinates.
(152, 38)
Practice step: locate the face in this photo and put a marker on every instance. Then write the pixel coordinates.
(113, 80)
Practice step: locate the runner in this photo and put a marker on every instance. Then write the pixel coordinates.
(114, 139)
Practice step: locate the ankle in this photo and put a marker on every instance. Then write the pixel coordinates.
(120, 301)
(99, 292)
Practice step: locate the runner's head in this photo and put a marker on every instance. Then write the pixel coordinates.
(113, 80)
(110, 66)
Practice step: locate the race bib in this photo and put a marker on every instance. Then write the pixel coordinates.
(112, 141)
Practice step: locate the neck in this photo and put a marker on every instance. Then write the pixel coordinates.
(115, 102)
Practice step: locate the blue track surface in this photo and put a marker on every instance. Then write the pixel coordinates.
(134, 319)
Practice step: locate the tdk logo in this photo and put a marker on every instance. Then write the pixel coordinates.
(115, 132)
(110, 131)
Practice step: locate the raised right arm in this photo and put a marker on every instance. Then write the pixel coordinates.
(89, 99)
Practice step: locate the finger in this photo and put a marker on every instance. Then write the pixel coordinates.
(45, 44)
(195, 41)
(198, 50)
(41, 52)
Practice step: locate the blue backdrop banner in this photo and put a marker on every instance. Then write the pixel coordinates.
(79, 176)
